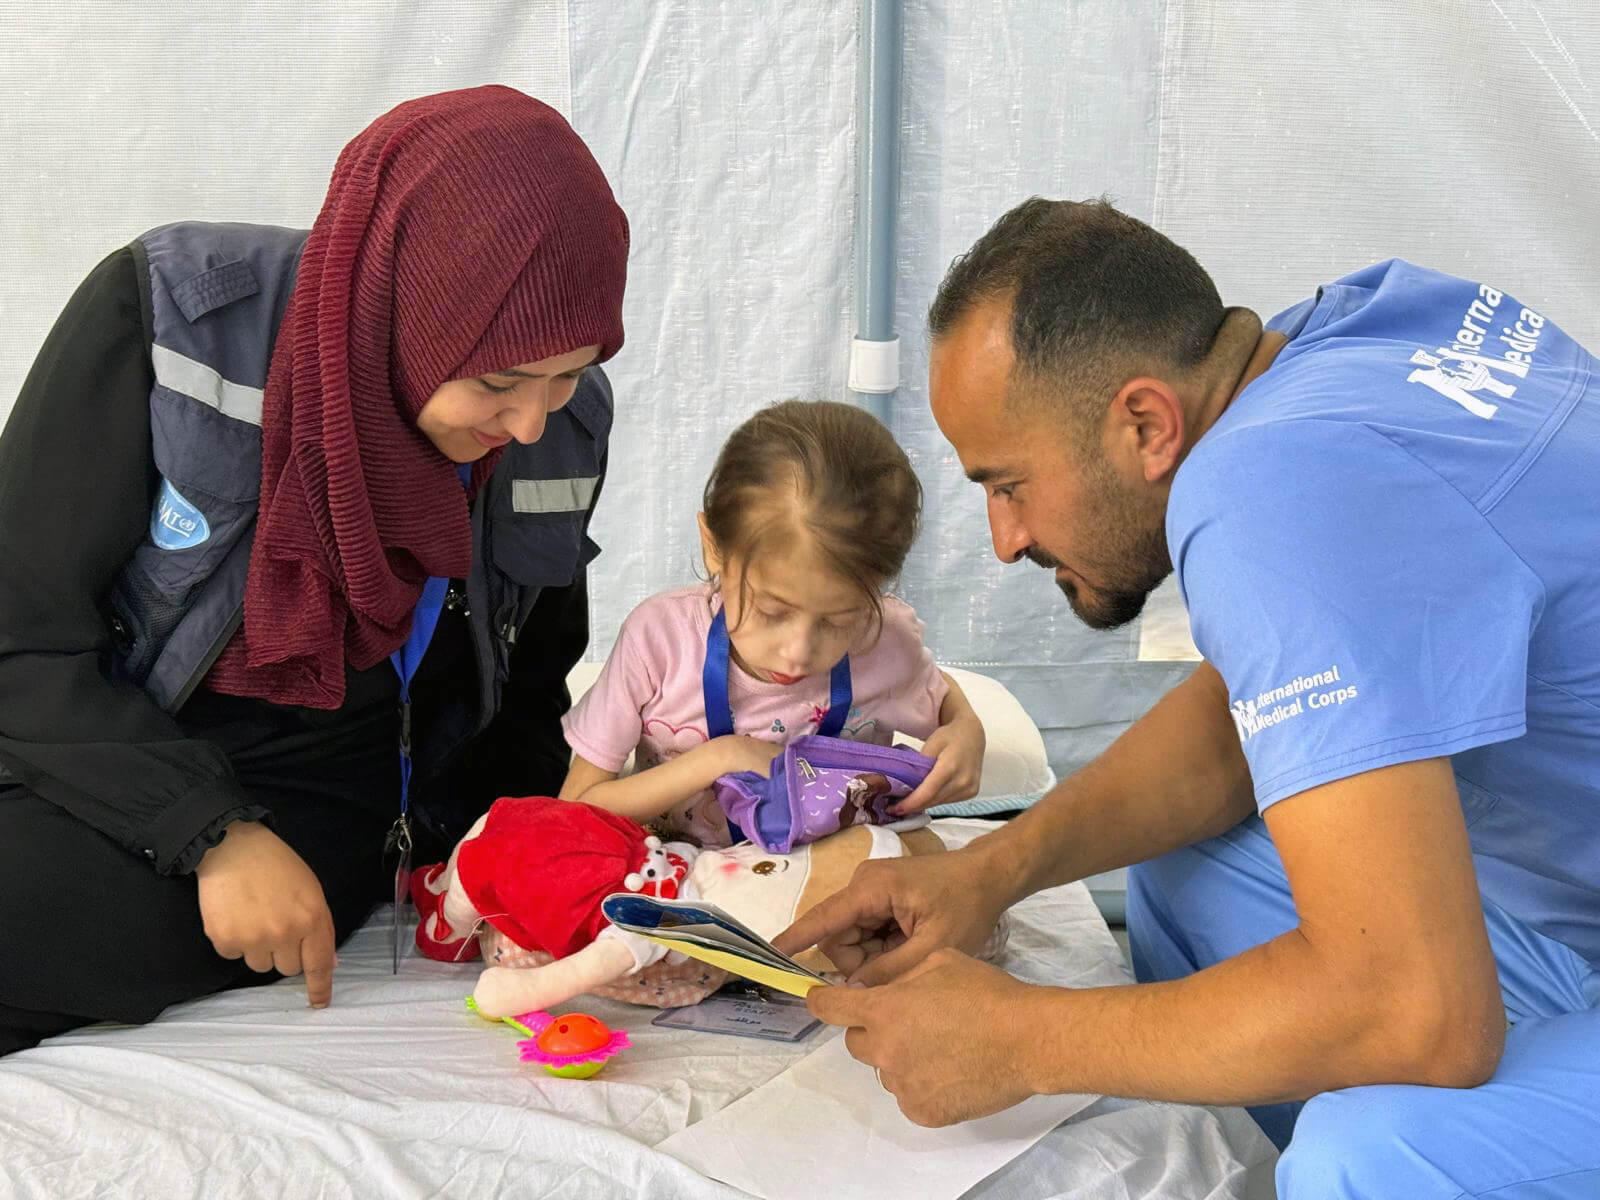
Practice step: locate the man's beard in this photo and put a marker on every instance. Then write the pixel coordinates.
(1134, 563)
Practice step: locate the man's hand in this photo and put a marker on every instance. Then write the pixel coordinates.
(952, 1039)
(260, 902)
(897, 911)
(957, 750)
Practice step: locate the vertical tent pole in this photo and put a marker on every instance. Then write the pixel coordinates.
(875, 350)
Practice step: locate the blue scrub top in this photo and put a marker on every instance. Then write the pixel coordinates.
(1389, 545)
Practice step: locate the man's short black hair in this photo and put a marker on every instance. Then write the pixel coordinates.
(1093, 292)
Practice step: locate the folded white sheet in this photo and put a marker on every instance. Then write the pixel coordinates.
(843, 1136)
(396, 1091)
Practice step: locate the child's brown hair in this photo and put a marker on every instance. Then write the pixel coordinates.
(831, 470)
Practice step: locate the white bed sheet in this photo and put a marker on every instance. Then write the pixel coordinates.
(397, 1091)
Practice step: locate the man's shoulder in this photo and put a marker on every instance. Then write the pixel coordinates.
(1252, 499)
(1266, 463)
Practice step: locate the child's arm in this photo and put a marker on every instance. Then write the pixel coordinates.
(958, 746)
(646, 795)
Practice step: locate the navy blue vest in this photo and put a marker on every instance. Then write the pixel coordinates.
(217, 295)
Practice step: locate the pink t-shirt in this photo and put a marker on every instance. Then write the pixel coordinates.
(648, 700)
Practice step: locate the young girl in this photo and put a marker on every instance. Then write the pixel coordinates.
(808, 516)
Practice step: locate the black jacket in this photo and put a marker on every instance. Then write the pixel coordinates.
(77, 483)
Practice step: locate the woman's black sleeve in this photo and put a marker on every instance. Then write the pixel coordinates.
(76, 487)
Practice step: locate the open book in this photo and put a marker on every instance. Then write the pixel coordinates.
(705, 932)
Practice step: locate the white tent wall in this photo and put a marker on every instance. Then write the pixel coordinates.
(732, 145)
(1284, 143)
(119, 117)
(728, 134)
(1300, 141)
(1003, 102)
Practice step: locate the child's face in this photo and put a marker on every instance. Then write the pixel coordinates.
(788, 618)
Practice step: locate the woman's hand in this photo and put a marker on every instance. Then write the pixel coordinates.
(957, 750)
(260, 902)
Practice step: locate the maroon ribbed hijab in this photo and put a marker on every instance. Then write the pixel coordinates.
(463, 233)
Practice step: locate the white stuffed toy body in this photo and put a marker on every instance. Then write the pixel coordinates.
(544, 947)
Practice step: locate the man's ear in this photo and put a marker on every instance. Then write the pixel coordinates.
(1148, 421)
(708, 548)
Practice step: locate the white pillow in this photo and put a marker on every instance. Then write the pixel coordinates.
(1015, 769)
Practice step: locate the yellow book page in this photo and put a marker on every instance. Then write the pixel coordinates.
(784, 981)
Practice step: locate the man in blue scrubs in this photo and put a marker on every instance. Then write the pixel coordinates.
(1368, 826)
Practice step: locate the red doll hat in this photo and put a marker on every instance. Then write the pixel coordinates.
(540, 868)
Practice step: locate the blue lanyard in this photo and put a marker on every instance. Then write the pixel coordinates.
(714, 682)
(408, 658)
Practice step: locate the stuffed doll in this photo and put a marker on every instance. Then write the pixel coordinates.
(525, 886)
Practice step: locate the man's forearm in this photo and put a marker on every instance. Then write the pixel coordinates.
(1279, 1022)
(1386, 977)
(1176, 777)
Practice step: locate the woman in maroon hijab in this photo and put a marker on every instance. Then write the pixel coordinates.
(293, 539)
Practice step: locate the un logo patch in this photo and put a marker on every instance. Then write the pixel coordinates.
(176, 524)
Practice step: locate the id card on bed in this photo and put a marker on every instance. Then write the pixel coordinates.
(743, 1015)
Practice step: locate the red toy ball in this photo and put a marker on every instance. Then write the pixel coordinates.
(572, 1046)
(575, 1033)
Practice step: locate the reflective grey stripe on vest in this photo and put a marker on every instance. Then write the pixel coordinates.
(194, 379)
(552, 495)
(217, 295)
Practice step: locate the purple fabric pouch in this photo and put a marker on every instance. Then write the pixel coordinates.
(817, 786)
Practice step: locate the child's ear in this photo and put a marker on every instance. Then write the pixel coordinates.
(708, 548)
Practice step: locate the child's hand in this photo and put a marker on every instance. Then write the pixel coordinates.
(957, 751)
(739, 753)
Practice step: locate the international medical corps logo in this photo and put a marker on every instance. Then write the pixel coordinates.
(1243, 713)
(1469, 366)
(1458, 376)
(1302, 694)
